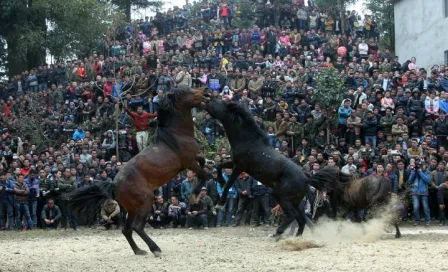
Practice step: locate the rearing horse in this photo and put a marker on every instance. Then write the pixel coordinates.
(173, 149)
(252, 153)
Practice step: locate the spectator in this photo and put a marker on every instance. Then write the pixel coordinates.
(230, 202)
(260, 195)
(51, 215)
(177, 211)
(419, 180)
(65, 185)
(197, 213)
(141, 120)
(21, 192)
(159, 216)
(243, 186)
(6, 202)
(442, 198)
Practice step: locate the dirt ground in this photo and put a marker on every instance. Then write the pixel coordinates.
(229, 249)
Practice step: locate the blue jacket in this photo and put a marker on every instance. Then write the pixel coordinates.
(258, 189)
(344, 114)
(9, 192)
(444, 83)
(186, 189)
(117, 90)
(33, 192)
(78, 134)
(443, 104)
(232, 191)
(419, 181)
(393, 177)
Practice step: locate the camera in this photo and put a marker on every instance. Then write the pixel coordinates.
(418, 164)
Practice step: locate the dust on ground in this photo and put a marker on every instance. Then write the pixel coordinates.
(227, 249)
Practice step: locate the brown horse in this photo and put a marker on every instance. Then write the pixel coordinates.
(173, 149)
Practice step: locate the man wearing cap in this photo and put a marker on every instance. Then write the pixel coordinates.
(197, 212)
(440, 129)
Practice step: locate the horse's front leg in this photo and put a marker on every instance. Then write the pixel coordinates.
(201, 174)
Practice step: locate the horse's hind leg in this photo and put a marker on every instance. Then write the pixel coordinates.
(127, 232)
(397, 229)
(289, 215)
(140, 221)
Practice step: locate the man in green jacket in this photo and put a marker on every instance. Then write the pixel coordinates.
(66, 185)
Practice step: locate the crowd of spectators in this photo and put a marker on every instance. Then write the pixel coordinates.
(392, 121)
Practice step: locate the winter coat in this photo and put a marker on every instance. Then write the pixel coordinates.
(21, 192)
(110, 209)
(419, 180)
(344, 113)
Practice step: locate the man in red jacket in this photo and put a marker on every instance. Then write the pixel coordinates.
(141, 124)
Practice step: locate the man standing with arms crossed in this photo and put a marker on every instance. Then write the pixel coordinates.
(141, 124)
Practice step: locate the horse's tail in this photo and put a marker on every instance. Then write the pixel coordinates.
(91, 196)
(329, 179)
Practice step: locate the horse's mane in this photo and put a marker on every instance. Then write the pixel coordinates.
(241, 116)
(167, 111)
(330, 178)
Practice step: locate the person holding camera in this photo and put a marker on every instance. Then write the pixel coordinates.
(419, 181)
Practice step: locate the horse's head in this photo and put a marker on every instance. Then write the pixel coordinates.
(182, 98)
(225, 111)
(216, 107)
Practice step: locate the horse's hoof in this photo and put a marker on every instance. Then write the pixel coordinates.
(277, 237)
(140, 252)
(157, 253)
(398, 235)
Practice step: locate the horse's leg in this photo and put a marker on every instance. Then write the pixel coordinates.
(302, 220)
(197, 167)
(127, 232)
(397, 229)
(140, 221)
(289, 213)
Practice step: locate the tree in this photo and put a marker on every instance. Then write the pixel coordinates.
(31, 27)
(329, 94)
(383, 10)
(127, 5)
(339, 4)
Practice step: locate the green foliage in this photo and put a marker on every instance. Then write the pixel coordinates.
(209, 151)
(328, 92)
(65, 28)
(383, 10)
(76, 25)
(127, 5)
(245, 14)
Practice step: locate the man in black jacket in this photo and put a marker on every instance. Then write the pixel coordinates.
(442, 197)
(243, 186)
(51, 215)
(260, 195)
(441, 129)
(158, 217)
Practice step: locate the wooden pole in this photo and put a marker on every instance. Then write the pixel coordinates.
(117, 116)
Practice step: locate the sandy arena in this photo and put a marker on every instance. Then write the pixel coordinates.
(229, 249)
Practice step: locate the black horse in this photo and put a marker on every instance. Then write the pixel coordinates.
(370, 193)
(252, 153)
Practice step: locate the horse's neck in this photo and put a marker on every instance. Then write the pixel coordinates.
(184, 123)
